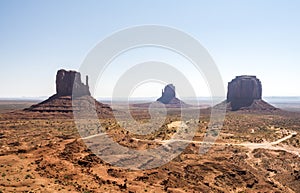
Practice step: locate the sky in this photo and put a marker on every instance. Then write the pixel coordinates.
(250, 37)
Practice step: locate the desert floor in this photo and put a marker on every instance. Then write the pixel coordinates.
(254, 152)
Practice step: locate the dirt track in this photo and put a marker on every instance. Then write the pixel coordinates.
(252, 146)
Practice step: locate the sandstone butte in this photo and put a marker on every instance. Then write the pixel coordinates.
(245, 93)
(71, 95)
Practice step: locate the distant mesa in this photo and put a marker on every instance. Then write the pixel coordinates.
(168, 97)
(70, 88)
(245, 93)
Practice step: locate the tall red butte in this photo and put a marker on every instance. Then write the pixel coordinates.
(245, 93)
(70, 88)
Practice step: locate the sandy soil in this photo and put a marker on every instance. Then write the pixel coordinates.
(255, 152)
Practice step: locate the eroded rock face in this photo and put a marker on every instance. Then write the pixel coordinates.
(245, 93)
(167, 94)
(243, 90)
(69, 82)
(168, 97)
(71, 95)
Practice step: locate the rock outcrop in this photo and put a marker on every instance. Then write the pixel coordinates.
(168, 97)
(245, 93)
(243, 90)
(71, 95)
(167, 94)
(69, 83)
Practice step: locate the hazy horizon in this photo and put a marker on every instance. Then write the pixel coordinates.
(294, 98)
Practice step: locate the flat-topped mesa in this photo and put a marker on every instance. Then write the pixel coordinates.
(69, 83)
(244, 88)
(245, 92)
(167, 94)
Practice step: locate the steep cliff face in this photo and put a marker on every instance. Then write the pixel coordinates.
(167, 94)
(168, 97)
(245, 93)
(69, 83)
(71, 95)
(243, 90)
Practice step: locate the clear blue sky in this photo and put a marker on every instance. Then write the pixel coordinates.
(256, 37)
